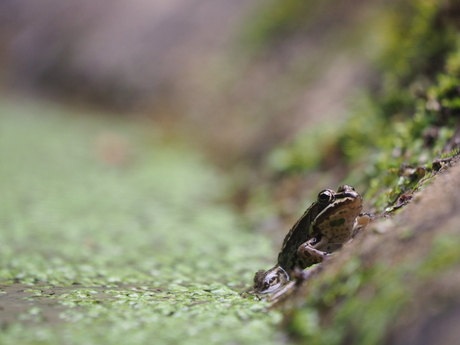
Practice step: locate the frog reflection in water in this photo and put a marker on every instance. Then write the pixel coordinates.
(324, 227)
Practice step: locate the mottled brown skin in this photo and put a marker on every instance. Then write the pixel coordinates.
(323, 228)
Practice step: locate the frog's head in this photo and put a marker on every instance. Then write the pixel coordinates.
(271, 280)
(337, 219)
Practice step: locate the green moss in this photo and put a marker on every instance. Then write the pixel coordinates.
(408, 119)
(453, 60)
(389, 143)
(443, 254)
(407, 122)
(419, 34)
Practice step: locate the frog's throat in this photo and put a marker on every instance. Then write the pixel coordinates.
(270, 280)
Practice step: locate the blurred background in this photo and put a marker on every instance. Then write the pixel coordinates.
(237, 77)
(284, 96)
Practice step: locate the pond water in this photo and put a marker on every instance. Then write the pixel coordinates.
(111, 234)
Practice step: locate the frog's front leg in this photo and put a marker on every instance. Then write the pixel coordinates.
(310, 254)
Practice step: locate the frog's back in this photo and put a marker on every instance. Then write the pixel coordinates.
(300, 233)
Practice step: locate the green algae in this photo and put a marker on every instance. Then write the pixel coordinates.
(109, 234)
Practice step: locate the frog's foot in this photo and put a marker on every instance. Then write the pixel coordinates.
(291, 288)
(283, 293)
(361, 223)
(302, 276)
(248, 291)
(307, 252)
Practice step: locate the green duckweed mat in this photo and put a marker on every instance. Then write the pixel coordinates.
(110, 234)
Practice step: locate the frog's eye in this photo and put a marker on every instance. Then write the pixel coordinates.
(270, 284)
(325, 197)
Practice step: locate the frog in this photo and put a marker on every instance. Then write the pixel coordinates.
(332, 220)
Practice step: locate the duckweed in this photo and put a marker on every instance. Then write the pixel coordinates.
(110, 235)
